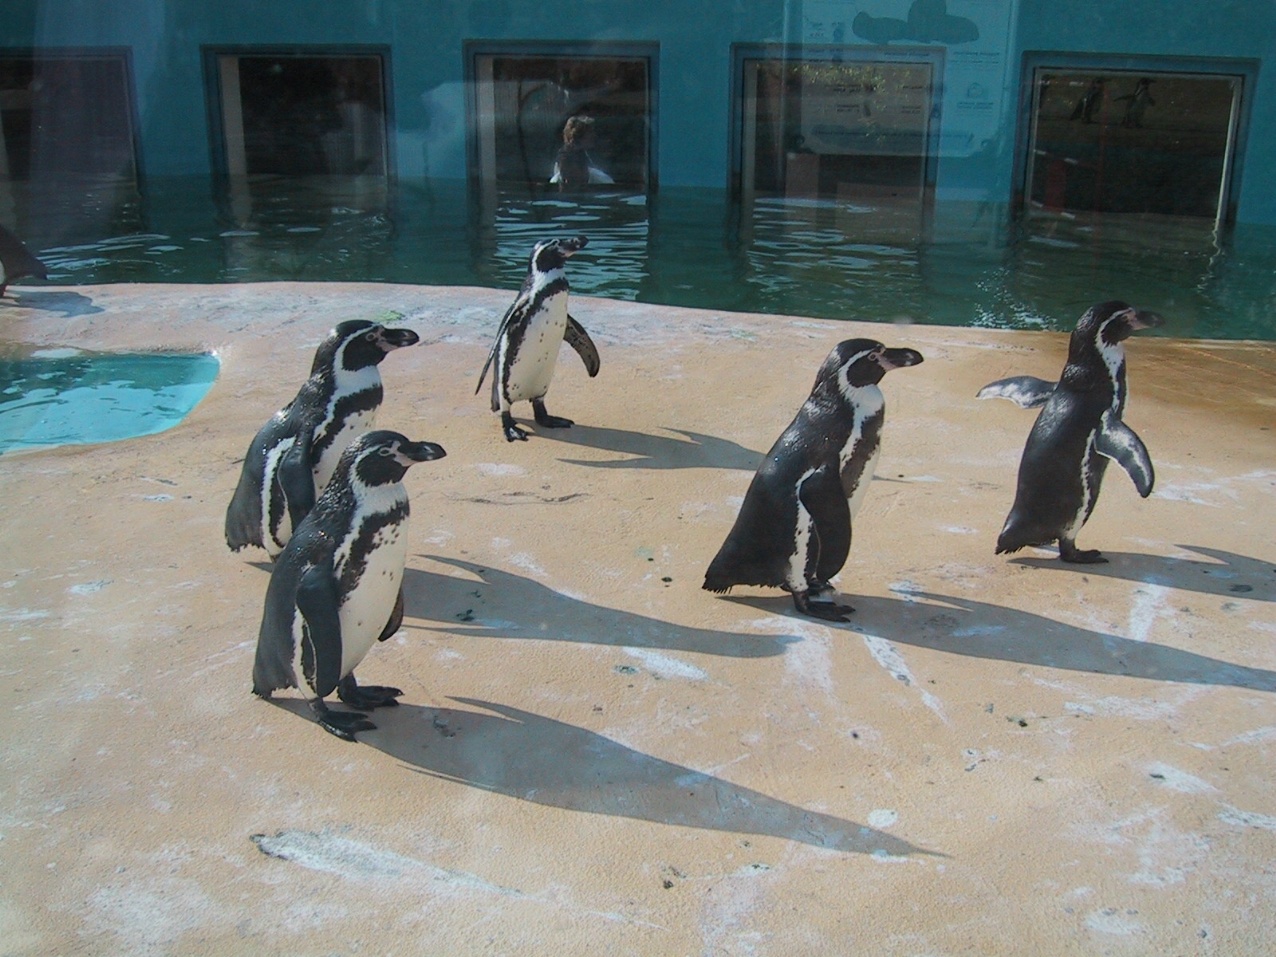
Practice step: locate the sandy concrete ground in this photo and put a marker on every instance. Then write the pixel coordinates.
(593, 755)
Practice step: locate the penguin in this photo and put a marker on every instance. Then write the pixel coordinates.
(293, 455)
(16, 261)
(794, 528)
(338, 584)
(1078, 430)
(527, 341)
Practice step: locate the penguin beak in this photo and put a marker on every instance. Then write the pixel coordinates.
(398, 338)
(1142, 319)
(570, 247)
(898, 358)
(420, 452)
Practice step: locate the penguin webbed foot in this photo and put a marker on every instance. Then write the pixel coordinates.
(512, 432)
(1069, 552)
(366, 697)
(820, 605)
(549, 421)
(342, 724)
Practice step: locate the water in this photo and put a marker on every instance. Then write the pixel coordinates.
(68, 397)
(681, 246)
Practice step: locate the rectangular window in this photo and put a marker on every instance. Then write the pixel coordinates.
(296, 113)
(839, 126)
(1132, 142)
(67, 116)
(567, 118)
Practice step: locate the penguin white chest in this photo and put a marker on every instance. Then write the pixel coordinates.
(857, 459)
(366, 608)
(532, 366)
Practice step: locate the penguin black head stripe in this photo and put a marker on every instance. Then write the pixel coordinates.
(551, 254)
(359, 343)
(794, 528)
(337, 587)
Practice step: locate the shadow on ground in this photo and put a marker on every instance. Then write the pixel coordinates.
(492, 603)
(1228, 575)
(530, 757)
(694, 450)
(963, 626)
(65, 304)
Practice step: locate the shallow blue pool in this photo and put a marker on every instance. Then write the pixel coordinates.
(68, 397)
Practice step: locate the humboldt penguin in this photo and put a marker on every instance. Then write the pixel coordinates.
(338, 584)
(1078, 430)
(529, 336)
(293, 455)
(794, 528)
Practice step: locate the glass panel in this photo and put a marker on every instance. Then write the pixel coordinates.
(303, 115)
(563, 123)
(851, 134)
(1131, 143)
(66, 116)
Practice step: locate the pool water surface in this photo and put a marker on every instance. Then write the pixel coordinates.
(954, 263)
(68, 397)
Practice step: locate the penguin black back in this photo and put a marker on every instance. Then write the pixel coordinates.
(794, 527)
(336, 588)
(1077, 432)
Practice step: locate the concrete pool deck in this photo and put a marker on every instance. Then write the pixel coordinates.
(998, 755)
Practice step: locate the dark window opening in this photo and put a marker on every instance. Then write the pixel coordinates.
(302, 114)
(1131, 143)
(66, 116)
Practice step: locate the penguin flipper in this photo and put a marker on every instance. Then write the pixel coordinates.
(296, 479)
(496, 344)
(823, 496)
(578, 339)
(1117, 441)
(1025, 391)
(318, 600)
(396, 619)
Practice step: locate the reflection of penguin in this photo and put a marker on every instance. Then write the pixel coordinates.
(1138, 103)
(293, 455)
(1089, 102)
(16, 261)
(528, 339)
(794, 528)
(338, 586)
(573, 166)
(1078, 431)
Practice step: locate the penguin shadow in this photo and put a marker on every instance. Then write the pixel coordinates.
(66, 304)
(491, 603)
(505, 750)
(1229, 575)
(963, 626)
(693, 450)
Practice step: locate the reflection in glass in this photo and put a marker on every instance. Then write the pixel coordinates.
(1131, 143)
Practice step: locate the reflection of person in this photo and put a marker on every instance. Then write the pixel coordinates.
(1140, 100)
(573, 166)
(1089, 101)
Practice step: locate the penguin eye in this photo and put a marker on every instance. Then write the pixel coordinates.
(370, 336)
(385, 451)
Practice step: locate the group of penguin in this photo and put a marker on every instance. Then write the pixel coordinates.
(322, 491)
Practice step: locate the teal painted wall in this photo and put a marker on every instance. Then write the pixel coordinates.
(979, 123)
